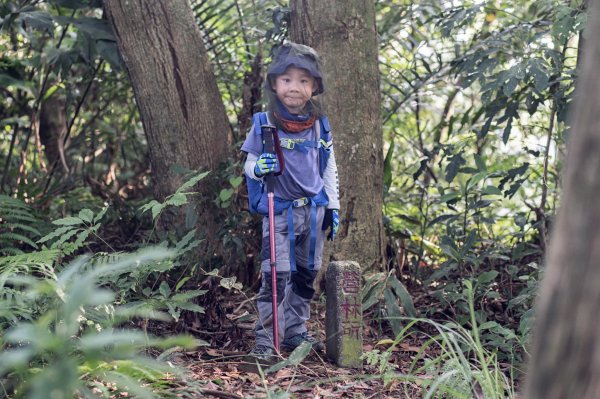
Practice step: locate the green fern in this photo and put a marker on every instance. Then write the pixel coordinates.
(18, 226)
(15, 305)
(39, 262)
(180, 197)
(73, 231)
(78, 342)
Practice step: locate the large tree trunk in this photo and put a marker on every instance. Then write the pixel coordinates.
(566, 349)
(182, 112)
(343, 32)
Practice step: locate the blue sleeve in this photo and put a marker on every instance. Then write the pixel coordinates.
(253, 143)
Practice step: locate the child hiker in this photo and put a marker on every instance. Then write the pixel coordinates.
(305, 189)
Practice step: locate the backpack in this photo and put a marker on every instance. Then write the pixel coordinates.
(257, 196)
(257, 193)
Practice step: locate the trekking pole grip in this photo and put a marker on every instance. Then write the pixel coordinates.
(268, 133)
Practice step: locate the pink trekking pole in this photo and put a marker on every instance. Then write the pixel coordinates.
(269, 131)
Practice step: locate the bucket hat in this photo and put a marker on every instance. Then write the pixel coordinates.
(299, 56)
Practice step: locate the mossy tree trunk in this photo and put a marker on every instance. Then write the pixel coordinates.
(175, 88)
(566, 349)
(343, 32)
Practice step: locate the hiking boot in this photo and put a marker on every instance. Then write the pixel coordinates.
(262, 352)
(289, 344)
(260, 356)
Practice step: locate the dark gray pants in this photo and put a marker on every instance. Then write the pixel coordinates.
(294, 290)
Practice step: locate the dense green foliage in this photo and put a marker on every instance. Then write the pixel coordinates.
(475, 104)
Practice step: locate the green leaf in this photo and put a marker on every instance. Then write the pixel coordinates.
(480, 162)
(65, 237)
(475, 179)
(177, 199)
(109, 51)
(487, 277)
(98, 29)
(149, 205)
(39, 20)
(371, 291)
(81, 238)
(454, 166)
(300, 353)
(537, 70)
(450, 197)
(7, 81)
(295, 358)
(188, 295)
(181, 283)
(17, 237)
(225, 194)
(86, 215)
(507, 130)
(404, 296)
(228, 282)
(510, 86)
(491, 190)
(58, 232)
(164, 289)
(100, 214)
(156, 210)
(449, 247)
(480, 204)
(393, 311)
(471, 238)
(192, 182)
(486, 126)
(192, 307)
(68, 221)
(76, 4)
(236, 181)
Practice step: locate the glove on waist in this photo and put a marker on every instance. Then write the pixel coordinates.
(331, 220)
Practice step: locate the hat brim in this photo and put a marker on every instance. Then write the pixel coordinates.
(281, 66)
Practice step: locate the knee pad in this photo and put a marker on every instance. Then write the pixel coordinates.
(266, 292)
(302, 282)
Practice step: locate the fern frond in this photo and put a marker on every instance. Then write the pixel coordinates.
(19, 215)
(18, 226)
(23, 227)
(11, 251)
(7, 237)
(39, 262)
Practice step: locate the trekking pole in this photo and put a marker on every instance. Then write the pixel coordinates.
(268, 131)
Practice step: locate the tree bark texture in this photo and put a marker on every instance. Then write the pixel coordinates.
(344, 34)
(566, 350)
(175, 88)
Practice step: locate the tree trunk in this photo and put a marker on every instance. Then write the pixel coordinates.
(566, 349)
(343, 32)
(180, 105)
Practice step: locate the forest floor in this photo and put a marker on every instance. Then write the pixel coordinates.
(221, 369)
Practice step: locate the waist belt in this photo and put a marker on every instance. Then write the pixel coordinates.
(300, 202)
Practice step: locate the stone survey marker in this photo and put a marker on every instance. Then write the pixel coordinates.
(344, 323)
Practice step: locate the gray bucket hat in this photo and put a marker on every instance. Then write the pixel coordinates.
(299, 56)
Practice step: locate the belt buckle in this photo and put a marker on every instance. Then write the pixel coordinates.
(300, 202)
(287, 143)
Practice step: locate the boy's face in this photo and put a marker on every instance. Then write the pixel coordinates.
(294, 88)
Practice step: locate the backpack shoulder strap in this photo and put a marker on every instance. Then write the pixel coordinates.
(324, 143)
(259, 119)
(325, 128)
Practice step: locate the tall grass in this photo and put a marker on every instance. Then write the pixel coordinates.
(452, 363)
